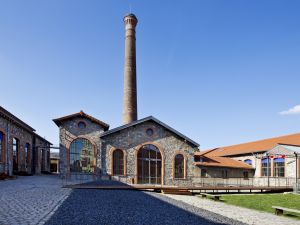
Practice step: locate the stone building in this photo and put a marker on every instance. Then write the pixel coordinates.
(22, 151)
(144, 151)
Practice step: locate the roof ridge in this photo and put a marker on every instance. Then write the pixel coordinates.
(265, 139)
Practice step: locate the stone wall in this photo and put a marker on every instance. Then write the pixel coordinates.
(131, 140)
(69, 131)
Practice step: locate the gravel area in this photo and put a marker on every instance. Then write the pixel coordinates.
(244, 215)
(130, 207)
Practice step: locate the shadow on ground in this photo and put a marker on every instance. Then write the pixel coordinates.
(88, 207)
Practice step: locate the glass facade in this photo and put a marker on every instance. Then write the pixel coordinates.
(279, 167)
(82, 156)
(1, 146)
(149, 165)
(179, 166)
(265, 167)
(118, 162)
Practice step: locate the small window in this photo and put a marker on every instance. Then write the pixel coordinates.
(149, 132)
(179, 166)
(1, 145)
(81, 125)
(248, 161)
(27, 155)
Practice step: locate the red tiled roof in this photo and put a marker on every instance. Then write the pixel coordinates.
(255, 146)
(58, 121)
(223, 162)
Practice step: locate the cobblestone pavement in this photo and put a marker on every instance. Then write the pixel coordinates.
(244, 215)
(30, 200)
(128, 207)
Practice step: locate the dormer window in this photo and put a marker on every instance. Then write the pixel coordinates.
(81, 125)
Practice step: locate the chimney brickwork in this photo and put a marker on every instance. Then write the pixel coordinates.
(130, 89)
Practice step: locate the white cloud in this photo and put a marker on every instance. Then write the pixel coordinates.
(293, 111)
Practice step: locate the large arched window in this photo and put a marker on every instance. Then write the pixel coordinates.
(1, 146)
(118, 162)
(16, 146)
(82, 156)
(149, 165)
(179, 166)
(279, 167)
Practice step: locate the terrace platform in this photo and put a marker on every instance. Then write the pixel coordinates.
(168, 189)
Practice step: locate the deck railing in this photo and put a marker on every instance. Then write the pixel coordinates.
(81, 178)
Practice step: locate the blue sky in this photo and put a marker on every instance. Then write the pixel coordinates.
(218, 71)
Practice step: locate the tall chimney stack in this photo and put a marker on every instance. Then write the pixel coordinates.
(130, 91)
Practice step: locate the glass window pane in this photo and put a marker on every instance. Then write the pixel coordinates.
(81, 156)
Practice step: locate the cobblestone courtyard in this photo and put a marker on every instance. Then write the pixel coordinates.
(30, 200)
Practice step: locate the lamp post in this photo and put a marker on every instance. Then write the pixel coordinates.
(268, 175)
(296, 156)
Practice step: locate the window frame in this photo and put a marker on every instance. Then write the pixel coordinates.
(265, 167)
(118, 170)
(92, 163)
(278, 165)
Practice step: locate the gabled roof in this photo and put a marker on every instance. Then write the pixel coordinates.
(150, 118)
(283, 149)
(255, 146)
(82, 114)
(43, 139)
(15, 119)
(9, 116)
(223, 162)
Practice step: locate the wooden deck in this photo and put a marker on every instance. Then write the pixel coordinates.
(192, 188)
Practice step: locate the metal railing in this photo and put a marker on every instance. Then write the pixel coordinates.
(81, 178)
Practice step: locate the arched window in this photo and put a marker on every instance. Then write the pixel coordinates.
(149, 165)
(179, 166)
(1, 146)
(15, 154)
(27, 155)
(248, 161)
(279, 167)
(118, 162)
(82, 156)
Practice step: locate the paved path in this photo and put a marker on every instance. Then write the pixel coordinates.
(244, 215)
(30, 200)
